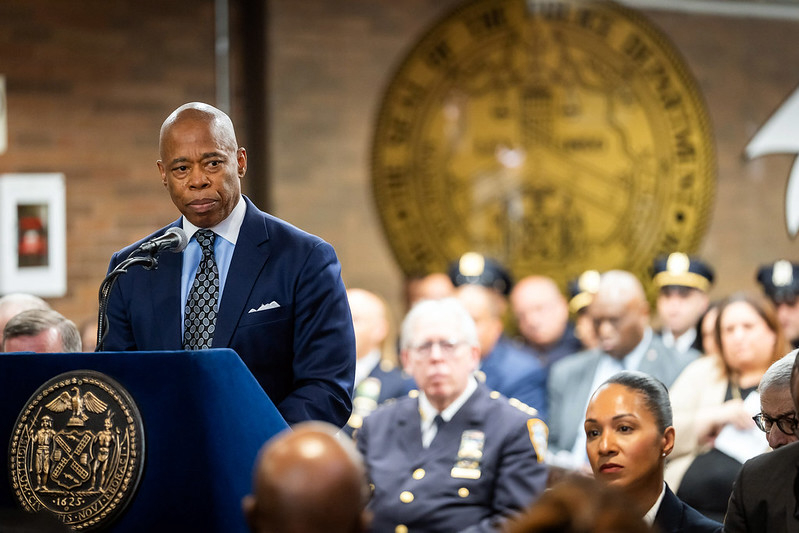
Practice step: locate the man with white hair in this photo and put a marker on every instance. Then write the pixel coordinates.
(777, 417)
(13, 304)
(620, 312)
(457, 457)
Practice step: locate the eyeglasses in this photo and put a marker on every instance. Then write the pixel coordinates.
(446, 347)
(787, 423)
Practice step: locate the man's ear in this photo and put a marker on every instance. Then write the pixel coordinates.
(162, 171)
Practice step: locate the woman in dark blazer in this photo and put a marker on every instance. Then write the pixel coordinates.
(629, 434)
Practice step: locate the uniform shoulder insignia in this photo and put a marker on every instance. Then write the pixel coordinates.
(539, 437)
(494, 395)
(413, 393)
(523, 407)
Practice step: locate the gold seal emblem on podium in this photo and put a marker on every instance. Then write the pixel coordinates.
(77, 451)
(554, 136)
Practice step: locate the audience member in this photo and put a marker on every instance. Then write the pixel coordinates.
(683, 283)
(581, 294)
(457, 458)
(780, 282)
(777, 417)
(620, 312)
(246, 280)
(764, 496)
(629, 434)
(542, 313)
(307, 480)
(16, 302)
(88, 334)
(580, 504)
(707, 328)
(507, 367)
(713, 404)
(377, 373)
(41, 331)
(432, 286)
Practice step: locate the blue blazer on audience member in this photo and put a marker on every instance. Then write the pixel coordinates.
(284, 310)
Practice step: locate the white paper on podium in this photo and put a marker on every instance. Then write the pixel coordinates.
(743, 444)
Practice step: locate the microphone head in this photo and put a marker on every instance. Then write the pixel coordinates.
(182, 239)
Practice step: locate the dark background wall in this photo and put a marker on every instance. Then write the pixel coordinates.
(89, 83)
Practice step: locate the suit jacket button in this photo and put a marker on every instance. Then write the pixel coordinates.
(418, 473)
(406, 496)
(463, 492)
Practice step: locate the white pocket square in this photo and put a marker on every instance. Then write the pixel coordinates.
(271, 305)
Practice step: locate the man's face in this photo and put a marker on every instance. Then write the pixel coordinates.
(368, 320)
(788, 316)
(619, 322)
(478, 302)
(542, 312)
(776, 403)
(439, 360)
(202, 170)
(679, 308)
(48, 341)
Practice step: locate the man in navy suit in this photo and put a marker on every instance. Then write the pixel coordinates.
(281, 304)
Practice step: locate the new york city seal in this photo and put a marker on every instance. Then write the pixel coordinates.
(77, 450)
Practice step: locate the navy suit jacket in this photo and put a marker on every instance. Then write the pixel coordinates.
(514, 371)
(507, 474)
(302, 352)
(765, 496)
(676, 516)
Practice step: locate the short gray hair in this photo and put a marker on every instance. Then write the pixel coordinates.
(778, 374)
(449, 307)
(35, 321)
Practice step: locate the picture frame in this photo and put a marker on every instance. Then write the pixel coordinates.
(33, 234)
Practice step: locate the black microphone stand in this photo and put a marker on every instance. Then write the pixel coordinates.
(149, 262)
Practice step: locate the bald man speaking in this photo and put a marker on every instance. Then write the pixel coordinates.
(246, 280)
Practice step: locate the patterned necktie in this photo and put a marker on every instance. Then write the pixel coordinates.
(200, 317)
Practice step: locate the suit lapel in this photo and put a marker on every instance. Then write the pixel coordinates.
(166, 298)
(249, 257)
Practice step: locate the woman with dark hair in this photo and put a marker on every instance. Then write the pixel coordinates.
(714, 400)
(629, 434)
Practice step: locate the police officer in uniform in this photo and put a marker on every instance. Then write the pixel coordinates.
(509, 367)
(780, 282)
(457, 457)
(377, 374)
(581, 293)
(683, 283)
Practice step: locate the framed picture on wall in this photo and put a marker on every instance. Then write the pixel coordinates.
(33, 235)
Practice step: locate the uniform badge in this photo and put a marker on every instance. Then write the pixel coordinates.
(470, 453)
(539, 436)
(77, 451)
(365, 401)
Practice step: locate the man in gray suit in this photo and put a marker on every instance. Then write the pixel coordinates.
(620, 313)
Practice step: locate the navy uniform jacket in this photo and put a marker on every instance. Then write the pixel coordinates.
(514, 371)
(765, 497)
(301, 349)
(676, 516)
(391, 383)
(418, 488)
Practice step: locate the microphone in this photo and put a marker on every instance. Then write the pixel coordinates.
(174, 240)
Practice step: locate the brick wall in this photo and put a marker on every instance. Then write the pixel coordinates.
(90, 82)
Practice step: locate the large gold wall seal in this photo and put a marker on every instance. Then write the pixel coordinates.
(77, 451)
(554, 136)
